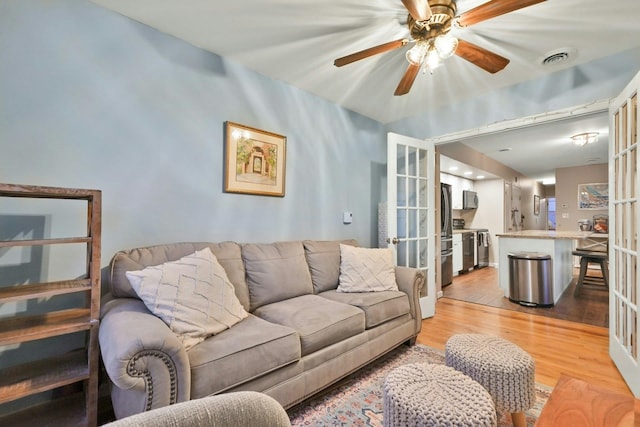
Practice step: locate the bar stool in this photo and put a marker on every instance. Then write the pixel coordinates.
(592, 257)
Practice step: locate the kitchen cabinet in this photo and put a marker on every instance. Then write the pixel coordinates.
(457, 253)
(458, 185)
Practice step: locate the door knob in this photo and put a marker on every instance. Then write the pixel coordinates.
(395, 240)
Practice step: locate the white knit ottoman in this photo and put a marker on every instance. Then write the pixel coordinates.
(503, 368)
(423, 394)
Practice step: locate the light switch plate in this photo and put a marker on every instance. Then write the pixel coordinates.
(347, 217)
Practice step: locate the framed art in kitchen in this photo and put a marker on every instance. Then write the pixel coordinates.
(255, 161)
(593, 196)
(536, 204)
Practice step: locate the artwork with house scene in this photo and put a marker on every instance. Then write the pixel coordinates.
(255, 161)
(593, 196)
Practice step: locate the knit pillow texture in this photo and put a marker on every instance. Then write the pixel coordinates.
(193, 296)
(366, 270)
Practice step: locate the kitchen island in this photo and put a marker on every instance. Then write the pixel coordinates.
(557, 244)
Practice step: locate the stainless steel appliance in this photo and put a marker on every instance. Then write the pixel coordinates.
(469, 199)
(446, 235)
(468, 251)
(482, 248)
(458, 223)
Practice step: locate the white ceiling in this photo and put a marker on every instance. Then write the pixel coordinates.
(537, 151)
(454, 167)
(296, 41)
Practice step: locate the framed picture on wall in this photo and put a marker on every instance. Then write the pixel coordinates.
(536, 204)
(255, 161)
(593, 196)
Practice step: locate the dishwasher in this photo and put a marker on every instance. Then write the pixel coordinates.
(468, 251)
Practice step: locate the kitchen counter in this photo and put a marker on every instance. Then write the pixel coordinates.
(467, 230)
(552, 234)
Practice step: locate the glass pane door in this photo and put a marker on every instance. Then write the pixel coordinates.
(411, 209)
(623, 235)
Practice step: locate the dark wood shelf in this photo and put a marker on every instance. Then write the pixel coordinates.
(68, 411)
(64, 371)
(45, 374)
(29, 328)
(43, 192)
(41, 242)
(41, 290)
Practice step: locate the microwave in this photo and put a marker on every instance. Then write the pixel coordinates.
(469, 199)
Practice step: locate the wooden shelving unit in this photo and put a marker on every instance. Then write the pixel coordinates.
(76, 367)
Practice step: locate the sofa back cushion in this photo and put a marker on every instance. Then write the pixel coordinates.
(323, 258)
(227, 253)
(275, 272)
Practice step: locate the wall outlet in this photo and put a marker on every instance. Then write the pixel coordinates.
(347, 217)
(565, 215)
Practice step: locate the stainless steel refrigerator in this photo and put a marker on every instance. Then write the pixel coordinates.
(446, 235)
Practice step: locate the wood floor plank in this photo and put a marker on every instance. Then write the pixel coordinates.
(481, 286)
(557, 346)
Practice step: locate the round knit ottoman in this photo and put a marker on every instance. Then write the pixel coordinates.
(423, 394)
(503, 368)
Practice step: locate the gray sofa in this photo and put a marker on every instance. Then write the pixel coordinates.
(301, 334)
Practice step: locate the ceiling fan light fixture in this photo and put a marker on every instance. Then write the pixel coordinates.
(446, 45)
(416, 54)
(585, 138)
(432, 60)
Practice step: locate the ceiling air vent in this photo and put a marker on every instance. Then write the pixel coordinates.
(557, 56)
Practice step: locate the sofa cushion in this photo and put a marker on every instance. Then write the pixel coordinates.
(193, 296)
(378, 307)
(319, 321)
(275, 272)
(227, 253)
(323, 258)
(247, 351)
(366, 270)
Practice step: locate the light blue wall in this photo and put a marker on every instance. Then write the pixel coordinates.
(91, 99)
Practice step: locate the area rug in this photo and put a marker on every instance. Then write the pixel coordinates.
(357, 400)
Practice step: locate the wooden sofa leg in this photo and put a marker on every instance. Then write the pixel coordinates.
(411, 341)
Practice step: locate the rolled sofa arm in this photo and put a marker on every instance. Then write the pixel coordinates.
(145, 361)
(410, 281)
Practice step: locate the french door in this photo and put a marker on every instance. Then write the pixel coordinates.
(411, 209)
(624, 214)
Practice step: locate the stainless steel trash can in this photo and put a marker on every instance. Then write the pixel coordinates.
(530, 279)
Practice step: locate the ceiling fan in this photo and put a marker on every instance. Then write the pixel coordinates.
(429, 23)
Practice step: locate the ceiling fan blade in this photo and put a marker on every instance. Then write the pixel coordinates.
(418, 9)
(493, 8)
(407, 80)
(369, 52)
(483, 58)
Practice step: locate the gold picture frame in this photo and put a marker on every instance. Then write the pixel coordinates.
(255, 161)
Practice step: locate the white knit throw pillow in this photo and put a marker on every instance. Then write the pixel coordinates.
(366, 270)
(193, 296)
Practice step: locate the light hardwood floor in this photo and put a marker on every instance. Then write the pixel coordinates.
(557, 346)
(590, 306)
